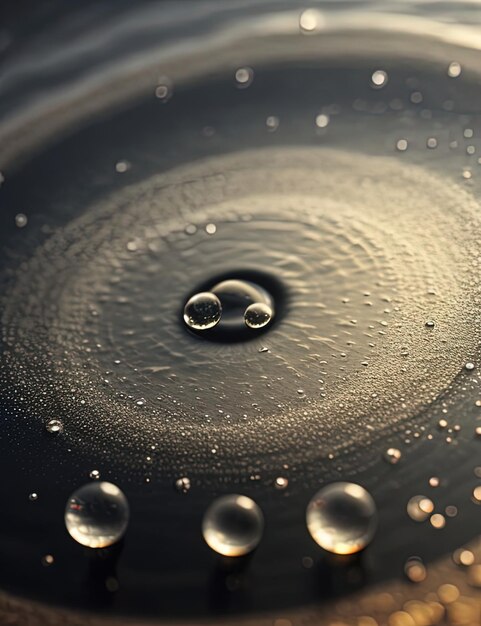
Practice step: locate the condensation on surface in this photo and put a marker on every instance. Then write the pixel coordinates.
(367, 248)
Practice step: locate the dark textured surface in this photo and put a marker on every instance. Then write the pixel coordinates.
(101, 271)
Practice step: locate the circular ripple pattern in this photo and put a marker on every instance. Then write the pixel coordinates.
(92, 325)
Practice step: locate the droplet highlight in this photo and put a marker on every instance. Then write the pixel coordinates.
(97, 514)
(233, 525)
(342, 518)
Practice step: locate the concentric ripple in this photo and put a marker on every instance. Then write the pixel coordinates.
(368, 250)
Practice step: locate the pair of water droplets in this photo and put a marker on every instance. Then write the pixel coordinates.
(232, 305)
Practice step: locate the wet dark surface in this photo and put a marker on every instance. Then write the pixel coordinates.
(101, 271)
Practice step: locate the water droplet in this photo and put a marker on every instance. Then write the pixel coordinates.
(432, 143)
(379, 79)
(281, 482)
(257, 315)
(244, 76)
(97, 514)
(164, 89)
(342, 518)
(402, 145)
(454, 69)
(477, 495)
(33, 497)
(272, 123)
(47, 560)
(21, 220)
(434, 481)
(211, 229)
(392, 455)
(182, 484)
(463, 557)
(322, 120)
(469, 367)
(94, 474)
(122, 166)
(430, 324)
(414, 569)
(233, 525)
(311, 20)
(416, 97)
(202, 311)
(438, 521)
(54, 426)
(419, 508)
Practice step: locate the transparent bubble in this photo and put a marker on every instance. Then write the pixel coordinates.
(233, 525)
(257, 315)
(54, 426)
(202, 311)
(97, 514)
(342, 518)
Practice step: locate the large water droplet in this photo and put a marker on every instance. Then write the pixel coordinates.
(233, 525)
(97, 514)
(342, 518)
(257, 315)
(202, 311)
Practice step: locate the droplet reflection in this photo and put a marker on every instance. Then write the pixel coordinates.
(233, 525)
(97, 514)
(342, 518)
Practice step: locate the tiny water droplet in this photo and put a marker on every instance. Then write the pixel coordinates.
(182, 484)
(233, 525)
(257, 315)
(47, 560)
(392, 455)
(419, 508)
(454, 69)
(202, 311)
(438, 521)
(469, 367)
(21, 220)
(430, 324)
(322, 120)
(414, 569)
(33, 497)
(281, 482)
(402, 145)
(244, 76)
(342, 518)
(122, 166)
(311, 20)
(272, 123)
(94, 474)
(97, 514)
(164, 89)
(54, 426)
(379, 79)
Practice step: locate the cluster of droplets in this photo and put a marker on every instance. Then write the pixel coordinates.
(341, 518)
(229, 302)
